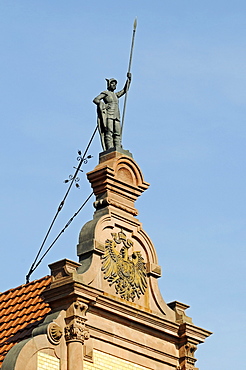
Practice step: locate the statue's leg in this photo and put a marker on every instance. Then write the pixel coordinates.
(117, 134)
(109, 134)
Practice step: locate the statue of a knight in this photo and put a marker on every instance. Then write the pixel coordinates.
(108, 113)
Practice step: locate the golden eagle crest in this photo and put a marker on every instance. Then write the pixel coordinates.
(128, 273)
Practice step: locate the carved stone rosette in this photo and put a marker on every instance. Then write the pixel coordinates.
(54, 333)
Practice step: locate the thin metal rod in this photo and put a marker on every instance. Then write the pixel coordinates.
(62, 231)
(129, 70)
(60, 207)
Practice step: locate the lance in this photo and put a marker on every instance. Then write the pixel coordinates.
(129, 70)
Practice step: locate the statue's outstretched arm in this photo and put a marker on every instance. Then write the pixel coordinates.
(126, 87)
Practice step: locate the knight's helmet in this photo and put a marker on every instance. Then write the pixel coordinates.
(109, 81)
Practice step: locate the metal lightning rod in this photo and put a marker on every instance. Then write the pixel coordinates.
(129, 69)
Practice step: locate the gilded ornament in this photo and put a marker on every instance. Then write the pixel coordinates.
(128, 273)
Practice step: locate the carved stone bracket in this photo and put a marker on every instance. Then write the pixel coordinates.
(187, 356)
(77, 308)
(190, 349)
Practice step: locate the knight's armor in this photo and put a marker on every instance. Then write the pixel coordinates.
(111, 105)
(108, 114)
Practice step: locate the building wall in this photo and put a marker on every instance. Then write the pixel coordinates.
(102, 361)
(47, 362)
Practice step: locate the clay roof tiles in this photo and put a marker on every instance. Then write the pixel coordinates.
(21, 310)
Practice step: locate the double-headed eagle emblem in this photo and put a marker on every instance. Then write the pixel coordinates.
(128, 273)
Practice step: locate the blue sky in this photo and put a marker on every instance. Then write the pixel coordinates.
(185, 125)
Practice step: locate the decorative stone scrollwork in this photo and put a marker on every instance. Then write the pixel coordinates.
(187, 357)
(190, 349)
(76, 309)
(76, 332)
(189, 352)
(54, 333)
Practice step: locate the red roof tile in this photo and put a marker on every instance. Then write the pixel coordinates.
(21, 310)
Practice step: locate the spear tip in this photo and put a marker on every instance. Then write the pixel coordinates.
(135, 24)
